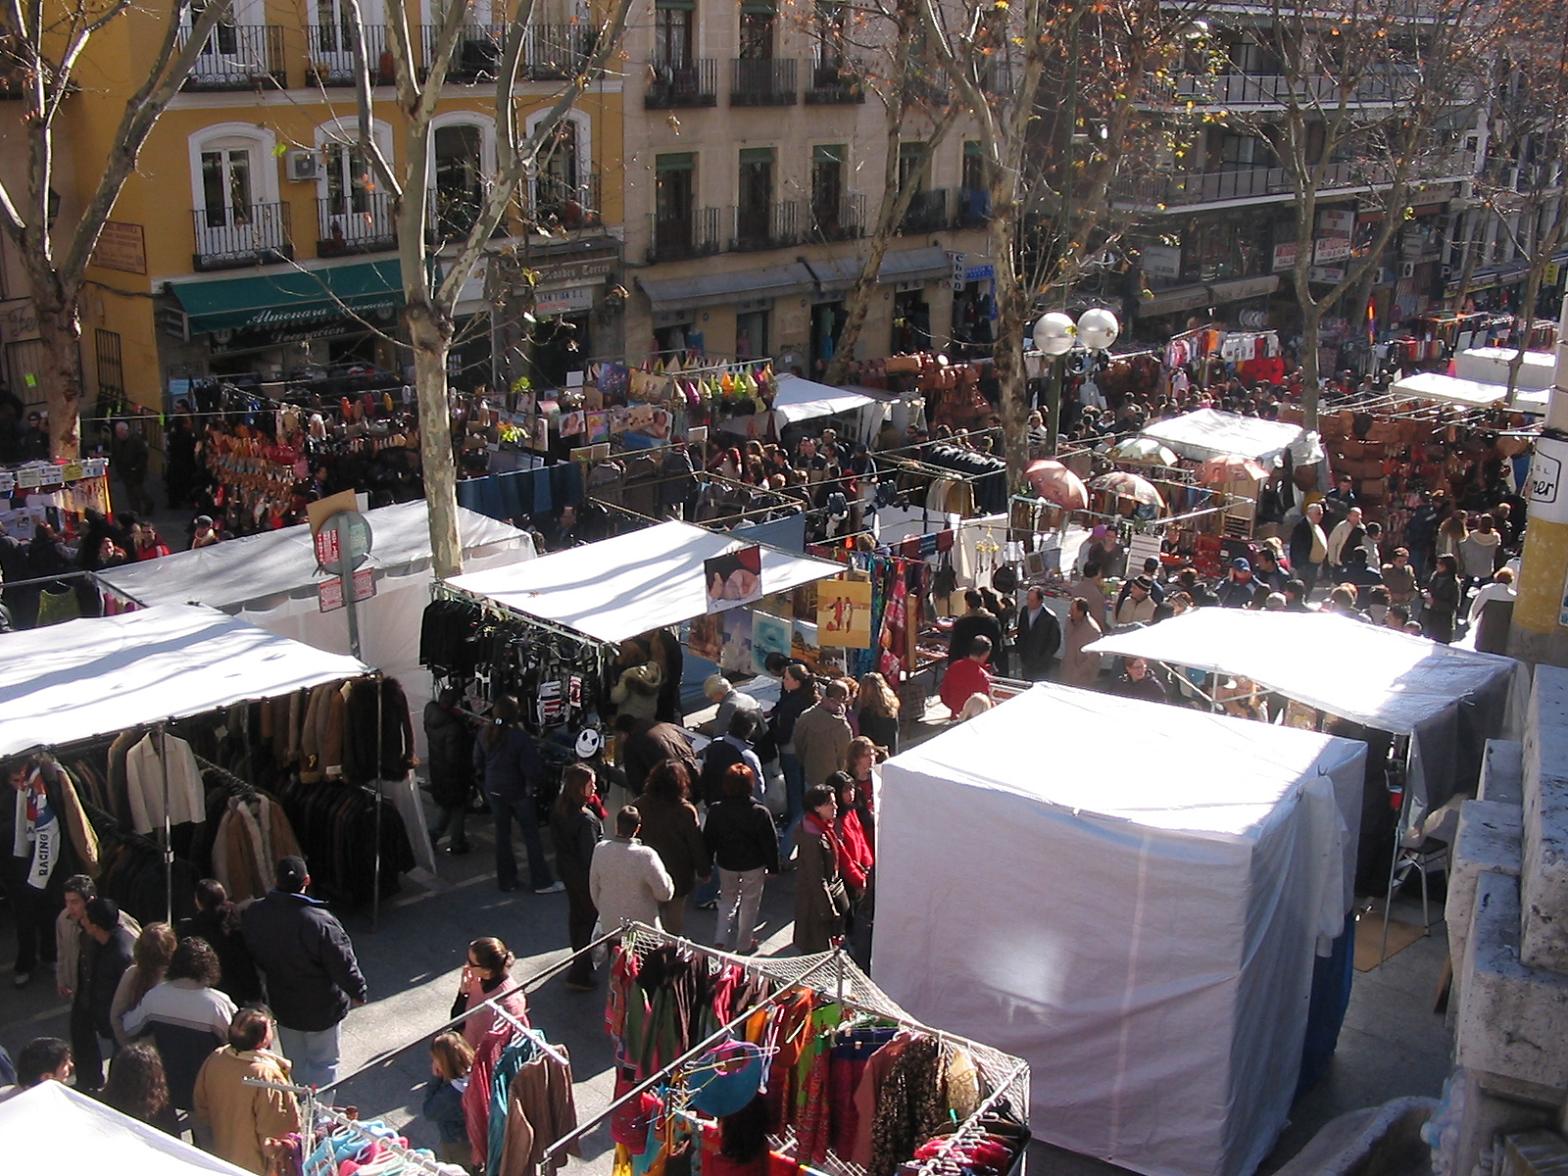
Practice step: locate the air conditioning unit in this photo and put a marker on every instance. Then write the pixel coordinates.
(1407, 269)
(303, 166)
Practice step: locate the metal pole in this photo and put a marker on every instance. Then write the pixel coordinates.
(694, 1052)
(346, 578)
(1053, 405)
(375, 894)
(168, 845)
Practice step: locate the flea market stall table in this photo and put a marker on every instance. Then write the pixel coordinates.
(1154, 964)
(144, 690)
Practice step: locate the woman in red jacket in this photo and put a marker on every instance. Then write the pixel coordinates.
(855, 858)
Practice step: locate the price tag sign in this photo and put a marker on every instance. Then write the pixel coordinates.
(329, 594)
(327, 547)
(844, 613)
(364, 583)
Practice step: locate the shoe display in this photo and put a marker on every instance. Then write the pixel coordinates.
(555, 887)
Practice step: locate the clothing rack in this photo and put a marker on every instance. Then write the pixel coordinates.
(315, 1107)
(444, 590)
(538, 1037)
(972, 1124)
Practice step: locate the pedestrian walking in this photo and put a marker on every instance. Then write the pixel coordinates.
(450, 740)
(627, 881)
(671, 828)
(821, 901)
(149, 963)
(577, 827)
(507, 760)
(487, 976)
(187, 1015)
(451, 1059)
(113, 946)
(234, 1120)
(309, 967)
(743, 840)
(137, 1086)
(217, 920)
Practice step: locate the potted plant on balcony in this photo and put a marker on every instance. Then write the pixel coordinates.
(318, 73)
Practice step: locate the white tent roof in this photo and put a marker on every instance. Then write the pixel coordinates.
(52, 1128)
(91, 677)
(799, 399)
(1146, 948)
(237, 571)
(1365, 673)
(620, 587)
(1207, 433)
(1490, 365)
(1469, 393)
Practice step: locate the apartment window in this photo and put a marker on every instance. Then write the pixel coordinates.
(227, 167)
(831, 26)
(828, 166)
(756, 195)
(751, 335)
(914, 166)
(673, 22)
(111, 370)
(1243, 151)
(757, 19)
(23, 363)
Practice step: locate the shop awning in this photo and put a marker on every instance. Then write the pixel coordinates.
(92, 677)
(716, 289)
(1490, 365)
(620, 587)
(290, 300)
(1443, 389)
(1207, 433)
(838, 274)
(798, 399)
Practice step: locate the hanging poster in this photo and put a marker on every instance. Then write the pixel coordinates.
(705, 637)
(598, 426)
(769, 634)
(734, 578)
(572, 424)
(736, 654)
(844, 613)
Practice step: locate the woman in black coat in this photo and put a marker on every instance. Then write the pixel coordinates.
(576, 827)
(450, 741)
(1442, 600)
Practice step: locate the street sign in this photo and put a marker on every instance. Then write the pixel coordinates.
(329, 594)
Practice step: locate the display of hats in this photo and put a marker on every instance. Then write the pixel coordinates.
(726, 1078)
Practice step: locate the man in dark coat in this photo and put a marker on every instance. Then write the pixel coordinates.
(644, 745)
(976, 622)
(449, 740)
(311, 973)
(1039, 637)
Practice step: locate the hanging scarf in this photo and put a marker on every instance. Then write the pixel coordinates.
(37, 831)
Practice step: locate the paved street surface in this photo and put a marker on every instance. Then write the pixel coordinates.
(1392, 1043)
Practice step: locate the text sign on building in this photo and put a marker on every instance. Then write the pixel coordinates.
(1545, 490)
(1161, 261)
(121, 246)
(1285, 256)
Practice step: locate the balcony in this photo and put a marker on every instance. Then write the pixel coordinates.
(1259, 183)
(929, 88)
(974, 208)
(475, 56)
(674, 85)
(1242, 91)
(252, 234)
(330, 55)
(692, 234)
(556, 52)
(835, 82)
(763, 81)
(560, 204)
(843, 219)
(769, 226)
(356, 222)
(927, 213)
(238, 57)
(996, 78)
(451, 213)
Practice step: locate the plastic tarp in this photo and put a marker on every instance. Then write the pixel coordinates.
(52, 1128)
(1441, 389)
(1446, 698)
(1208, 433)
(1489, 365)
(1145, 942)
(799, 399)
(629, 584)
(237, 572)
(93, 677)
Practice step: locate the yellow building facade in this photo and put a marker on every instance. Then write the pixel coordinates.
(254, 244)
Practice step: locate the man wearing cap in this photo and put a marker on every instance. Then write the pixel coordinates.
(308, 963)
(1138, 606)
(1238, 589)
(204, 535)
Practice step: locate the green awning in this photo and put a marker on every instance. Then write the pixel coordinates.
(290, 300)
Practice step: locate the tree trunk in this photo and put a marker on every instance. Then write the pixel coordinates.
(60, 333)
(1012, 309)
(858, 304)
(1523, 322)
(1467, 272)
(1311, 384)
(430, 335)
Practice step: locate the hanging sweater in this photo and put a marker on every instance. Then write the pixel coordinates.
(144, 781)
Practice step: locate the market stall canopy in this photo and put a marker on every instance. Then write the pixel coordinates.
(1125, 485)
(230, 574)
(1489, 365)
(799, 399)
(92, 677)
(1435, 386)
(1154, 961)
(1144, 449)
(1395, 682)
(53, 1128)
(1208, 433)
(1220, 471)
(620, 587)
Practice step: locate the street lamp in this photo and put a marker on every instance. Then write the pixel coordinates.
(1055, 336)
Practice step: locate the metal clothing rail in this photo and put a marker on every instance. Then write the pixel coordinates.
(970, 1125)
(315, 1107)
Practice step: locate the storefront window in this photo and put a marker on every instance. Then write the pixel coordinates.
(751, 335)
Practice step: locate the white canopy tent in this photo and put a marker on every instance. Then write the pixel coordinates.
(1489, 365)
(1441, 389)
(52, 1128)
(623, 586)
(270, 580)
(1147, 949)
(93, 677)
(1368, 674)
(798, 399)
(1207, 433)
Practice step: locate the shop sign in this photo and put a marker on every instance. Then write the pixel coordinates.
(844, 613)
(1326, 275)
(575, 273)
(1337, 222)
(1245, 288)
(1326, 249)
(329, 593)
(121, 246)
(1161, 261)
(1285, 256)
(957, 260)
(553, 303)
(1546, 490)
(979, 273)
(18, 320)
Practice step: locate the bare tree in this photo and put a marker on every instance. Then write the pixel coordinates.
(41, 48)
(430, 297)
(1373, 96)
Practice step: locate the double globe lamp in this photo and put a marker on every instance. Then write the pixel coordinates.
(1055, 335)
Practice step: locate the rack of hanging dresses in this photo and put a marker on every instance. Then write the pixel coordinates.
(853, 1084)
(380, 1149)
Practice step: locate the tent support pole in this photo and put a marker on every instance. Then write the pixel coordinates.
(375, 894)
(1393, 869)
(168, 842)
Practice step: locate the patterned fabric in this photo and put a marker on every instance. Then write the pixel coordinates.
(910, 1106)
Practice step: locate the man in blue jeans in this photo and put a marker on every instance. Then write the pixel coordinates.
(311, 973)
(507, 760)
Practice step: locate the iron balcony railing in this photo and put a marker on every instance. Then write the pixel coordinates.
(768, 226)
(1208, 187)
(237, 57)
(355, 222)
(694, 233)
(682, 83)
(843, 219)
(763, 81)
(241, 235)
(330, 55)
(835, 81)
(567, 204)
(927, 212)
